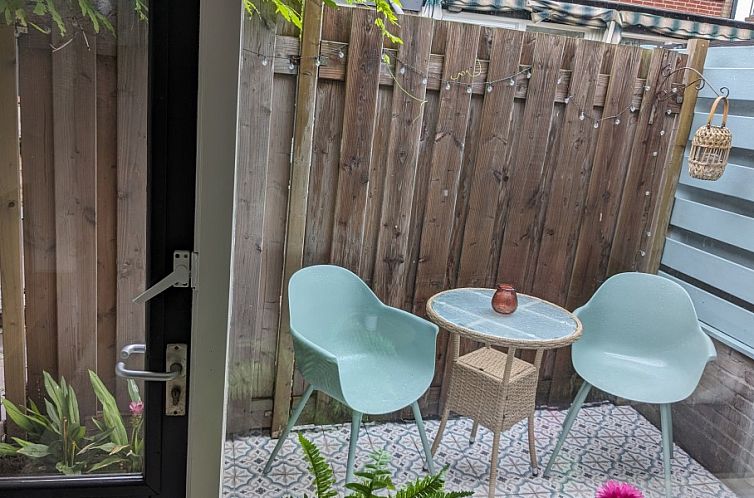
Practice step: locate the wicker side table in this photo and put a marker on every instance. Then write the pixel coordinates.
(493, 388)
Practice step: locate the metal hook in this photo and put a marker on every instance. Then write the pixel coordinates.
(700, 83)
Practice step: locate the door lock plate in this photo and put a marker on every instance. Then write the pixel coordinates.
(175, 389)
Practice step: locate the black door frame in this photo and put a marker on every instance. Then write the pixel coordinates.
(173, 83)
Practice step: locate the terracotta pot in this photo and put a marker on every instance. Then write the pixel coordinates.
(505, 300)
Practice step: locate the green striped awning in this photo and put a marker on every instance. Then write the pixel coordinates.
(585, 15)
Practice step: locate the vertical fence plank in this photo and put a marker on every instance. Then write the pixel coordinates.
(696, 57)
(107, 212)
(643, 174)
(606, 183)
(376, 187)
(35, 91)
(74, 108)
(573, 164)
(527, 172)
(255, 98)
(403, 150)
(447, 154)
(132, 181)
(362, 83)
(297, 194)
(11, 240)
(479, 255)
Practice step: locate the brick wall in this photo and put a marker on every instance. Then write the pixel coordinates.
(716, 424)
(703, 7)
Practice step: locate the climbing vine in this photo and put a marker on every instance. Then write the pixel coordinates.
(43, 15)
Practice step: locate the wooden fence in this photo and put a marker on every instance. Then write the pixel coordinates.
(83, 118)
(476, 155)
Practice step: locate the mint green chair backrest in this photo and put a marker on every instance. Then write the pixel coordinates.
(340, 327)
(648, 320)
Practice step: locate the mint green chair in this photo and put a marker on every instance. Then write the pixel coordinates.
(641, 342)
(372, 358)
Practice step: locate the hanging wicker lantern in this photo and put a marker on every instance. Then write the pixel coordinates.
(710, 146)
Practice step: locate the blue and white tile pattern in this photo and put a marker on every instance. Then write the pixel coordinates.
(606, 442)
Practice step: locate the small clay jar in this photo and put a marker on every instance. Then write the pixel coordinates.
(504, 300)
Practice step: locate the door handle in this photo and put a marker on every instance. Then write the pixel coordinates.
(174, 378)
(179, 277)
(176, 369)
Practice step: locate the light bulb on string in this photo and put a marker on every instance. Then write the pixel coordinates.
(424, 81)
(582, 116)
(511, 81)
(402, 70)
(264, 60)
(489, 87)
(617, 121)
(596, 124)
(468, 89)
(447, 86)
(341, 54)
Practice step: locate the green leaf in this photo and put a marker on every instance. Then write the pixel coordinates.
(57, 19)
(133, 391)
(52, 414)
(21, 420)
(110, 412)
(106, 462)
(33, 450)
(55, 393)
(73, 406)
(322, 471)
(7, 449)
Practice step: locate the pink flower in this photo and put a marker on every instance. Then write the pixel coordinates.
(136, 407)
(613, 489)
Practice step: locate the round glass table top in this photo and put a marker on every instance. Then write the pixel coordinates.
(535, 323)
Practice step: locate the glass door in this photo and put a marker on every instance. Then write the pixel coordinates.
(98, 115)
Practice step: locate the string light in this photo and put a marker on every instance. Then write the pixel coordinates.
(489, 88)
(617, 121)
(341, 54)
(264, 60)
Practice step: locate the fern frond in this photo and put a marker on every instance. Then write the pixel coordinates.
(374, 477)
(453, 494)
(322, 471)
(427, 487)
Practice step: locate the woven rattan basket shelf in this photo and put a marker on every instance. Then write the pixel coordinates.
(711, 146)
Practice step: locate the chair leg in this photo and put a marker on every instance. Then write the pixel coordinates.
(291, 422)
(666, 422)
(493, 464)
(532, 446)
(474, 429)
(440, 430)
(423, 435)
(570, 418)
(355, 425)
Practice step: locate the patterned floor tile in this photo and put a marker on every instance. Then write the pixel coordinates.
(606, 442)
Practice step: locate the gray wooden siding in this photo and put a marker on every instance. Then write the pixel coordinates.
(710, 245)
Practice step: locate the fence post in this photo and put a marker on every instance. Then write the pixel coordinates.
(301, 158)
(697, 54)
(11, 268)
